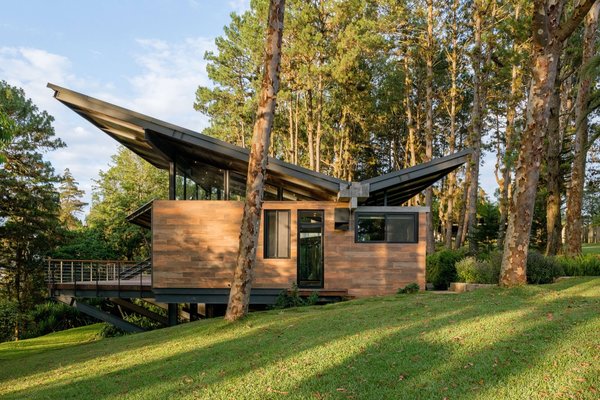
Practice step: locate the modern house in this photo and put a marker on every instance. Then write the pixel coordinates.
(341, 239)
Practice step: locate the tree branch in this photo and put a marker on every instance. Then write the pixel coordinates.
(566, 29)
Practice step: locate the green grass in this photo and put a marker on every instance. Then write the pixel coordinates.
(591, 248)
(527, 343)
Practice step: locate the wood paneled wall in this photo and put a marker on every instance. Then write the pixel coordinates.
(195, 246)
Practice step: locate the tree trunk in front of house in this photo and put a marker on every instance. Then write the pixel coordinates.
(547, 36)
(574, 221)
(239, 296)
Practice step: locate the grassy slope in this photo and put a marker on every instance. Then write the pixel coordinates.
(533, 342)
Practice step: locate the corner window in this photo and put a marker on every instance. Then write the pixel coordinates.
(387, 228)
(277, 234)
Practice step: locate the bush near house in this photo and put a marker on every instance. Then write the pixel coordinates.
(542, 269)
(585, 265)
(441, 269)
(472, 270)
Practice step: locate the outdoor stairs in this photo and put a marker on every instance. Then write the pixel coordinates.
(136, 270)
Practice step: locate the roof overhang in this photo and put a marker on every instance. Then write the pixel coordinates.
(158, 142)
(399, 186)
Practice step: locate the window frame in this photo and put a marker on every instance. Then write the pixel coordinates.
(265, 234)
(415, 216)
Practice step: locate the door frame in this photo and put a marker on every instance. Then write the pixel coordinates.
(298, 227)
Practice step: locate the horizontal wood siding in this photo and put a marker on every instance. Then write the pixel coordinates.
(195, 246)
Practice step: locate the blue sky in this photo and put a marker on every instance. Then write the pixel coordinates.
(143, 55)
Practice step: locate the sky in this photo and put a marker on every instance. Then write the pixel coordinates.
(143, 55)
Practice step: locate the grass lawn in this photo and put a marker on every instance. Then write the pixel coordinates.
(591, 248)
(532, 342)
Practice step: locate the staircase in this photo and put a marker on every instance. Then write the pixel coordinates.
(143, 267)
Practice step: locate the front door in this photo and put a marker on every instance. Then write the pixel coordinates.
(310, 248)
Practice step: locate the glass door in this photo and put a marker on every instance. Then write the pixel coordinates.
(310, 248)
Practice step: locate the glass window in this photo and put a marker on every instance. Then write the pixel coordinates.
(391, 228)
(277, 234)
(400, 228)
(370, 228)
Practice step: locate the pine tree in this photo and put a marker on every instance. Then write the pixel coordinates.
(70, 201)
(29, 204)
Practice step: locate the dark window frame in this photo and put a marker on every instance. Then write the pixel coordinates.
(299, 226)
(265, 234)
(415, 216)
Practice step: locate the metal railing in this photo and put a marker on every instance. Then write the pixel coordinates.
(94, 271)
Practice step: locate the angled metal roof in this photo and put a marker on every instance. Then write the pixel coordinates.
(399, 186)
(157, 141)
(160, 142)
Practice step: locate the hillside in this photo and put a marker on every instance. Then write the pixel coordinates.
(531, 342)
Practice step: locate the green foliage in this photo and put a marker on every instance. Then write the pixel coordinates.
(70, 201)
(109, 331)
(85, 243)
(441, 270)
(29, 205)
(472, 270)
(291, 298)
(409, 289)
(129, 183)
(50, 317)
(9, 316)
(542, 269)
(585, 265)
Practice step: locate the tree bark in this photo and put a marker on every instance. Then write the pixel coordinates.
(319, 122)
(462, 216)
(553, 152)
(574, 221)
(310, 128)
(509, 138)
(429, 123)
(547, 37)
(476, 129)
(239, 296)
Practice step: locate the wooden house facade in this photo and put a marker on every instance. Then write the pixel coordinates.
(317, 232)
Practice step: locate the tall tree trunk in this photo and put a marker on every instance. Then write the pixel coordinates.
(452, 135)
(239, 296)
(553, 152)
(509, 138)
(411, 160)
(319, 121)
(310, 128)
(574, 221)
(291, 128)
(429, 123)
(547, 36)
(462, 216)
(476, 127)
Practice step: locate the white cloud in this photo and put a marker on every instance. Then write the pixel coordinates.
(170, 73)
(163, 87)
(239, 6)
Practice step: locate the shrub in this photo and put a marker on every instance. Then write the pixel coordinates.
(51, 317)
(9, 314)
(409, 289)
(441, 268)
(471, 270)
(542, 269)
(291, 298)
(586, 265)
(467, 270)
(111, 331)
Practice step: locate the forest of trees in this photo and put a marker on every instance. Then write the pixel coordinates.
(369, 87)
(366, 87)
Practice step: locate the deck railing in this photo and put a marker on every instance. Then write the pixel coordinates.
(93, 271)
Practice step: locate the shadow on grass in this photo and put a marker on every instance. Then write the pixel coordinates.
(403, 358)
